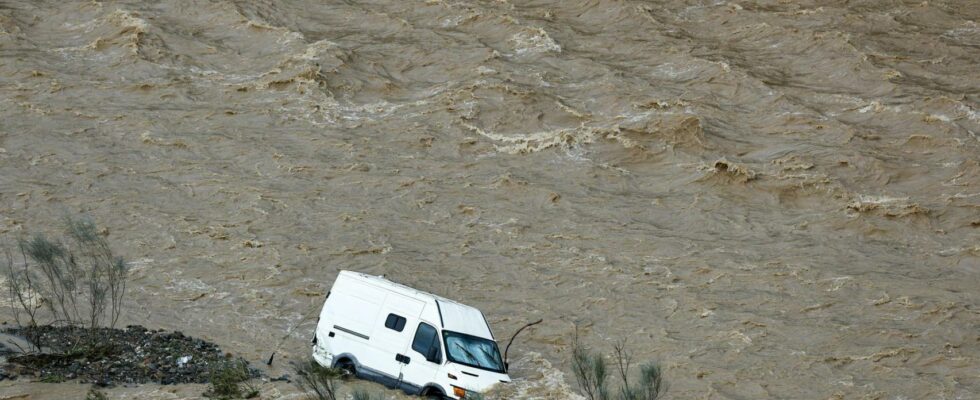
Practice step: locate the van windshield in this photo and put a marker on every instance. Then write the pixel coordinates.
(473, 351)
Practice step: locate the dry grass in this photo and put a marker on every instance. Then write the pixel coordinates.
(319, 382)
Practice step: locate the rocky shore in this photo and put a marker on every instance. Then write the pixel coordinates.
(109, 357)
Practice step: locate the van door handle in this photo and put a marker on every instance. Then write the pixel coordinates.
(402, 358)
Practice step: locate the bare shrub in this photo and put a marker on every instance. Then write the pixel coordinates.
(590, 371)
(105, 274)
(624, 359)
(591, 375)
(75, 282)
(319, 382)
(24, 299)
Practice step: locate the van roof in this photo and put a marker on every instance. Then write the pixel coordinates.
(453, 315)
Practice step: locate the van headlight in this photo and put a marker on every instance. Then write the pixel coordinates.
(465, 394)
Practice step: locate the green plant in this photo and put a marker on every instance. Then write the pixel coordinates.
(591, 375)
(53, 378)
(319, 382)
(95, 394)
(105, 273)
(77, 281)
(361, 394)
(651, 384)
(24, 298)
(590, 371)
(230, 380)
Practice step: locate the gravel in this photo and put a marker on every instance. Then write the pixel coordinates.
(116, 356)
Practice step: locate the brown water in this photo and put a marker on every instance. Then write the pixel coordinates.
(775, 199)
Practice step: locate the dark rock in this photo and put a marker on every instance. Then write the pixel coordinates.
(133, 355)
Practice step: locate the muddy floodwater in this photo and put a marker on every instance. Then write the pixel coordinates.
(775, 199)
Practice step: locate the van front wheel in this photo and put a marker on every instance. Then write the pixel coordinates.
(433, 394)
(348, 367)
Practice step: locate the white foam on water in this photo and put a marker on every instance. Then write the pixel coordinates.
(534, 40)
(536, 379)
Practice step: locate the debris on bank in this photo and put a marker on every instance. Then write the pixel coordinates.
(109, 357)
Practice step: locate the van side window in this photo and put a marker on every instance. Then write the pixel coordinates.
(395, 322)
(427, 343)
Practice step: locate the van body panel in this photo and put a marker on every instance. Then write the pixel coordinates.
(356, 306)
(421, 370)
(464, 319)
(387, 380)
(387, 339)
(476, 379)
(373, 322)
(350, 314)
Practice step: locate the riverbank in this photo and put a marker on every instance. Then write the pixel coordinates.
(109, 357)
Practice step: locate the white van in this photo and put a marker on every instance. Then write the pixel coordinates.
(405, 338)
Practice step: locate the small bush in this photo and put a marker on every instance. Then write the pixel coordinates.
(651, 384)
(319, 382)
(95, 394)
(591, 375)
(76, 281)
(230, 380)
(53, 378)
(361, 394)
(590, 371)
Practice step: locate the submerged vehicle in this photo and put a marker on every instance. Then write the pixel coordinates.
(407, 339)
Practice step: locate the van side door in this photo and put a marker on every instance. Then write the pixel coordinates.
(426, 354)
(399, 314)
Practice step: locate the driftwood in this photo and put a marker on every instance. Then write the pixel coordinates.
(506, 349)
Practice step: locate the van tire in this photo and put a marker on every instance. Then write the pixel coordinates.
(350, 370)
(433, 394)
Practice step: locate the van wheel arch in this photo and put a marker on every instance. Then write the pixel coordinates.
(432, 392)
(347, 364)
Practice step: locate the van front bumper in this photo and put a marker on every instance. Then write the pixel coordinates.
(460, 393)
(322, 356)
